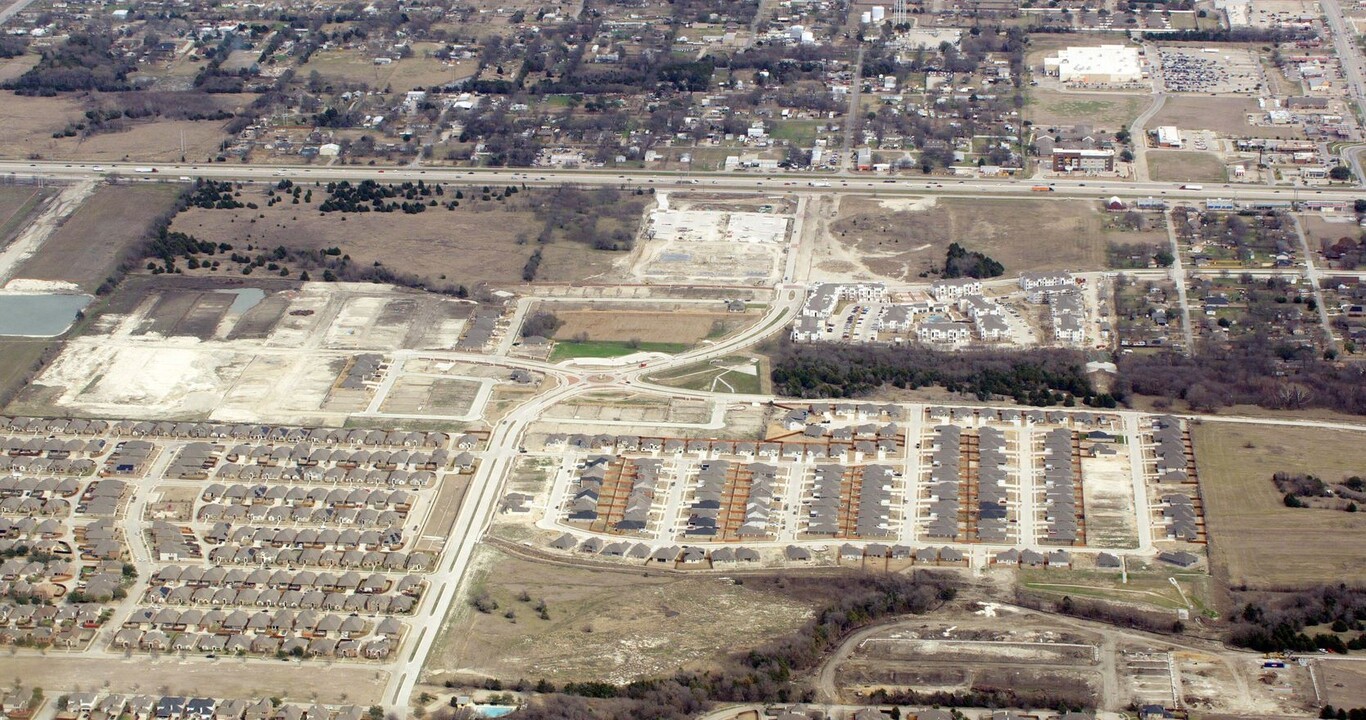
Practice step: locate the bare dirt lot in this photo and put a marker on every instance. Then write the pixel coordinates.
(605, 624)
(1185, 166)
(1254, 538)
(972, 654)
(682, 326)
(89, 243)
(1226, 115)
(1343, 683)
(902, 239)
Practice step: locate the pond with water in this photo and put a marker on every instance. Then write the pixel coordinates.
(39, 315)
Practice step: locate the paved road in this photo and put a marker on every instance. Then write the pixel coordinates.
(851, 118)
(478, 509)
(1349, 55)
(1312, 274)
(1178, 275)
(862, 183)
(1139, 129)
(14, 9)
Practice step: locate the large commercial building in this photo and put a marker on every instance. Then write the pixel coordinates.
(1100, 65)
(1073, 160)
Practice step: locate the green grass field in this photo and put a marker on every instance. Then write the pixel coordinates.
(1152, 588)
(723, 375)
(798, 132)
(564, 350)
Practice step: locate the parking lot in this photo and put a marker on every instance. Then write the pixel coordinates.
(1209, 70)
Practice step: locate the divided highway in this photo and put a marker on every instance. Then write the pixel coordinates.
(720, 182)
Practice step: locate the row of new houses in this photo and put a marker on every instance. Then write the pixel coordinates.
(710, 499)
(93, 706)
(867, 503)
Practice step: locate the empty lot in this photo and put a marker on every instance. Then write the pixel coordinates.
(1222, 114)
(1109, 111)
(18, 203)
(681, 326)
(88, 244)
(476, 242)
(1254, 538)
(1185, 166)
(900, 239)
(605, 624)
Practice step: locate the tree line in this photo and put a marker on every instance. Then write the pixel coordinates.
(1278, 622)
(1252, 370)
(84, 62)
(1036, 377)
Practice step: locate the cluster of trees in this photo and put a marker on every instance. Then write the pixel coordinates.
(961, 262)
(114, 110)
(1329, 711)
(541, 324)
(1034, 377)
(1277, 623)
(215, 195)
(1253, 370)
(370, 196)
(764, 674)
(533, 264)
(1063, 698)
(1296, 486)
(84, 62)
(13, 45)
(578, 214)
(1128, 256)
(1237, 35)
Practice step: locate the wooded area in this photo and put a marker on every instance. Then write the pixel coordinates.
(1034, 377)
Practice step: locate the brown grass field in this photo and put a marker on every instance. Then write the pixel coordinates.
(1344, 683)
(466, 245)
(1185, 166)
(357, 66)
(682, 326)
(1254, 538)
(224, 677)
(17, 204)
(1317, 229)
(88, 244)
(1022, 234)
(11, 68)
(612, 625)
(1109, 111)
(1222, 114)
(18, 356)
(27, 125)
